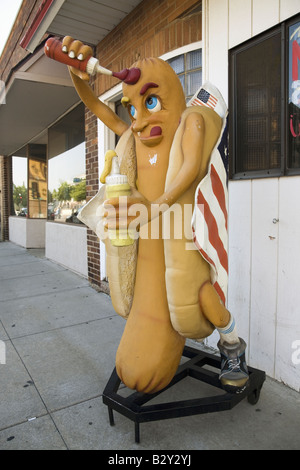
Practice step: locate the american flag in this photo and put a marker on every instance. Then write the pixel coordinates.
(203, 98)
(210, 217)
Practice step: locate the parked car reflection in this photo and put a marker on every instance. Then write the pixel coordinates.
(23, 212)
(73, 219)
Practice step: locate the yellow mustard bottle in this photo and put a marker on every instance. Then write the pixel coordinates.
(116, 186)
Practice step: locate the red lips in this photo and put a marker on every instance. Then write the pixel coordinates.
(155, 131)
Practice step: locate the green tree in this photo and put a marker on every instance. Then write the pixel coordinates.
(63, 192)
(54, 195)
(20, 196)
(78, 192)
(50, 196)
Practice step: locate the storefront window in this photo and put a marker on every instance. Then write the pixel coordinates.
(66, 167)
(258, 100)
(265, 104)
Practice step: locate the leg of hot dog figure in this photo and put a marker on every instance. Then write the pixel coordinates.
(212, 307)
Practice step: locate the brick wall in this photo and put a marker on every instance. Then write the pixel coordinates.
(152, 29)
(92, 187)
(91, 159)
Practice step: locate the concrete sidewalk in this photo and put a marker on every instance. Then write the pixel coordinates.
(61, 337)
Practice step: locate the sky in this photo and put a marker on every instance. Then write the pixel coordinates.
(8, 13)
(64, 167)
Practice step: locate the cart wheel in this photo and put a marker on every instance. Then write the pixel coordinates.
(253, 397)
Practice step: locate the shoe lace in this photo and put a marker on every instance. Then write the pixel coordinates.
(233, 364)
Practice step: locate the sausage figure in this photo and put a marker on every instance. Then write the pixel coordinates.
(171, 295)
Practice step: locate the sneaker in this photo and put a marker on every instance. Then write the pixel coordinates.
(234, 374)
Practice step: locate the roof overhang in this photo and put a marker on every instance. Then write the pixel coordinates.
(44, 17)
(90, 21)
(37, 94)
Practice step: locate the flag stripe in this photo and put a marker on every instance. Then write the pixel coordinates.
(216, 284)
(214, 205)
(212, 99)
(219, 276)
(196, 101)
(218, 190)
(213, 232)
(220, 292)
(203, 253)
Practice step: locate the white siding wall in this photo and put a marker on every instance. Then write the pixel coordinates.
(264, 271)
(264, 257)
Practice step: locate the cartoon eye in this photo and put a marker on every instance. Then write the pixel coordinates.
(133, 112)
(153, 104)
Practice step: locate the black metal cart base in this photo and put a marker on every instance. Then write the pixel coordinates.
(134, 406)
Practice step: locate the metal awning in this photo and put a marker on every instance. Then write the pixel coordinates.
(40, 90)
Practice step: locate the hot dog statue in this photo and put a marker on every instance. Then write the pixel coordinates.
(172, 287)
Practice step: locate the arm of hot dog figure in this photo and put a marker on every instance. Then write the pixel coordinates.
(76, 49)
(136, 210)
(192, 146)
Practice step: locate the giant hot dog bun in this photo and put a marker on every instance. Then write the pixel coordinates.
(120, 261)
(186, 270)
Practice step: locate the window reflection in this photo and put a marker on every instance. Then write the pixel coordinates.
(37, 194)
(20, 186)
(67, 185)
(37, 181)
